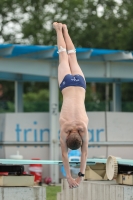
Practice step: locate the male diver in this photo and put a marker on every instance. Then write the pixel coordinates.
(73, 118)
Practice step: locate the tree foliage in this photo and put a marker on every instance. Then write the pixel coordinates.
(91, 23)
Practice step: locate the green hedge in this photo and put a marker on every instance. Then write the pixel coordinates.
(43, 106)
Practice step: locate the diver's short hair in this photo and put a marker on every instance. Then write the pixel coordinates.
(74, 141)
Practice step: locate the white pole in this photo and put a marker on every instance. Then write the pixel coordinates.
(116, 97)
(18, 96)
(54, 124)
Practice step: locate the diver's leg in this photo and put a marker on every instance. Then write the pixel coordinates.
(64, 67)
(75, 68)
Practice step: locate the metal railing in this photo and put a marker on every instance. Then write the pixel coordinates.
(48, 143)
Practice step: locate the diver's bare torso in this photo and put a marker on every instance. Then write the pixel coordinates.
(73, 114)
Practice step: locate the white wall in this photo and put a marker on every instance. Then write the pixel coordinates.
(96, 133)
(120, 128)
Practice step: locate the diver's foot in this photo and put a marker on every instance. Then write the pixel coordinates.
(57, 26)
(64, 28)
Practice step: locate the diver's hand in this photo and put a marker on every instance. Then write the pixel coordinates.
(72, 183)
(78, 180)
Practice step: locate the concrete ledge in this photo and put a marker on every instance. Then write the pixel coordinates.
(59, 196)
(23, 193)
(96, 190)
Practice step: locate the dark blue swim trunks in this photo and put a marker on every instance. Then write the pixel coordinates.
(73, 80)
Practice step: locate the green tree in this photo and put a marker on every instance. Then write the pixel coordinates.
(91, 23)
(10, 20)
(126, 22)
